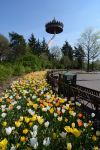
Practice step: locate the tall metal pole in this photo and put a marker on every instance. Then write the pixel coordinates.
(51, 39)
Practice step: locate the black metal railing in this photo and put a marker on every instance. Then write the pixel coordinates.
(88, 97)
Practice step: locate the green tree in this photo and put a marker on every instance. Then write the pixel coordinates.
(67, 50)
(18, 45)
(4, 48)
(79, 55)
(38, 47)
(65, 61)
(44, 47)
(32, 42)
(67, 53)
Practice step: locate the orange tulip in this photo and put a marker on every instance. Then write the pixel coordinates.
(80, 115)
(59, 113)
(80, 123)
(17, 97)
(10, 107)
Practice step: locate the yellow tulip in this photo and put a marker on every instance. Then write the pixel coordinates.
(66, 119)
(68, 128)
(21, 118)
(62, 101)
(54, 135)
(51, 110)
(67, 107)
(69, 146)
(35, 106)
(73, 125)
(94, 138)
(22, 139)
(76, 132)
(40, 120)
(27, 119)
(4, 123)
(3, 144)
(18, 123)
(34, 117)
(95, 148)
(25, 131)
(71, 112)
(0, 99)
(17, 145)
(30, 124)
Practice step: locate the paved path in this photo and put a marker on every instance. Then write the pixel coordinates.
(89, 80)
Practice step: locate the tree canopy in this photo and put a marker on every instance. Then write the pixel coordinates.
(89, 41)
(4, 47)
(17, 44)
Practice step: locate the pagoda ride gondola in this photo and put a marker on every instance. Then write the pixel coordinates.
(54, 27)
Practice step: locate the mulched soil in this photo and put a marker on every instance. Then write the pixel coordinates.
(4, 85)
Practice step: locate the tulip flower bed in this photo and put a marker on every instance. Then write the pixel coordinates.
(33, 117)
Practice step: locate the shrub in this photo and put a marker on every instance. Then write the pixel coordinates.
(28, 69)
(6, 71)
(19, 69)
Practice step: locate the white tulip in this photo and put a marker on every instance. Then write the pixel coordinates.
(18, 107)
(46, 141)
(54, 102)
(3, 106)
(92, 115)
(3, 115)
(48, 96)
(63, 111)
(13, 103)
(46, 124)
(31, 112)
(34, 134)
(33, 141)
(48, 107)
(44, 109)
(60, 118)
(85, 125)
(8, 130)
(13, 147)
(35, 127)
(63, 134)
(98, 133)
(55, 114)
(34, 97)
(74, 114)
(42, 92)
(58, 108)
(36, 145)
(65, 99)
(78, 104)
(11, 97)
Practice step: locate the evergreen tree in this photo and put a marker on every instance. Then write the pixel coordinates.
(67, 50)
(38, 47)
(67, 53)
(18, 45)
(33, 44)
(79, 56)
(44, 47)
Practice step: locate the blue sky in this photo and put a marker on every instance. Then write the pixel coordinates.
(29, 16)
